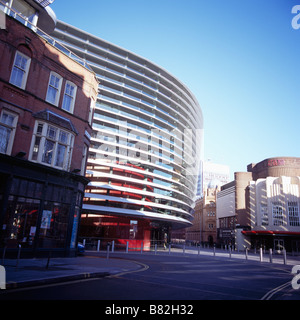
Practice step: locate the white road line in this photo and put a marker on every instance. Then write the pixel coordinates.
(271, 293)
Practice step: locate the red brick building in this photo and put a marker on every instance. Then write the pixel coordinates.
(46, 104)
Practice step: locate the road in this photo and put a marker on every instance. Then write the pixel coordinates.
(175, 278)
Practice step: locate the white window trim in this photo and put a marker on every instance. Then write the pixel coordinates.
(13, 128)
(26, 70)
(278, 215)
(84, 158)
(91, 110)
(73, 97)
(57, 97)
(69, 146)
(264, 215)
(294, 219)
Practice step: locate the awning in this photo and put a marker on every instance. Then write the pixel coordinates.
(270, 233)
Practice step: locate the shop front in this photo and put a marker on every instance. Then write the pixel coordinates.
(275, 240)
(40, 208)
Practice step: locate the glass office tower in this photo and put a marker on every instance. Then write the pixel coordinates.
(145, 148)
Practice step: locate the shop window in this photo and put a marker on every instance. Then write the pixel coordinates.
(20, 70)
(54, 225)
(52, 146)
(8, 124)
(19, 226)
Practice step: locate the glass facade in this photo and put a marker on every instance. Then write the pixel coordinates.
(146, 145)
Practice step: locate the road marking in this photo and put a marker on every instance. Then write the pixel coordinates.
(271, 293)
(144, 268)
(188, 288)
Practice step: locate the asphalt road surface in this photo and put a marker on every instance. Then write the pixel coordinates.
(175, 278)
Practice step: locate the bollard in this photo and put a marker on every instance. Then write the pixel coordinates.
(83, 242)
(229, 252)
(183, 250)
(169, 249)
(142, 244)
(18, 256)
(127, 246)
(113, 246)
(214, 250)
(108, 249)
(199, 250)
(271, 256)
(155, 248)
(261, 254)
(3, 255)
(48, 260)
(284, 257)
(98, 246)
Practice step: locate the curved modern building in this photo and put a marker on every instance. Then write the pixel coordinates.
(146, 144)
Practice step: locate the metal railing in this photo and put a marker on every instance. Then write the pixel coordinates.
(24, 20)
(111, 245)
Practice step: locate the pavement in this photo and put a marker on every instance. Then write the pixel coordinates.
(35, 272)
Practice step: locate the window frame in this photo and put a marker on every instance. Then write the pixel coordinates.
(278, 215)
(67, 95)
(293, 214)
(12, 127)
(264, 214)
(58, 89)
(91, 111)
(25, 71)
(84, 158)
(41, 137)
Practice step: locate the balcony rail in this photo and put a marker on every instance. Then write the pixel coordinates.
(25, 21)
(44, 3)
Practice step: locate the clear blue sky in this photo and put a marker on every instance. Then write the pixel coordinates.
(240, 58)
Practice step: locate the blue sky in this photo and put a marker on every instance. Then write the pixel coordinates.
(240, 58)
